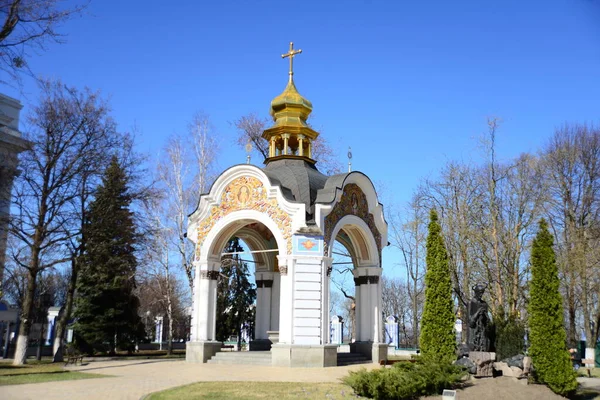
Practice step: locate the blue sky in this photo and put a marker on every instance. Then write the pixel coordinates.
(407, 84)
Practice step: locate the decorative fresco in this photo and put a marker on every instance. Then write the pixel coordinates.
(352, 202)
(246, 193)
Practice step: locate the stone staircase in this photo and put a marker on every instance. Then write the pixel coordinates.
(242, 357)
(351, 358)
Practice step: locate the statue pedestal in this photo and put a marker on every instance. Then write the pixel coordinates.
(484, 361)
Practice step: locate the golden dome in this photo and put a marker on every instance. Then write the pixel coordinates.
(290, 136)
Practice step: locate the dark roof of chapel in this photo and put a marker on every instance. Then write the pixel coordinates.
(299, 182)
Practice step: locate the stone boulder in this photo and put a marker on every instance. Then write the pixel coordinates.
(484, 361)
(507, 370)
(468, 364)
(515, 361)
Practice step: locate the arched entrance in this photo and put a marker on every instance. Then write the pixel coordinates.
(357, 238)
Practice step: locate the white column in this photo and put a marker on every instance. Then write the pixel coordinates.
(365, 311)
(368, 303)
(264, 283)
(194, 322)
(259, 331)
(205, 300)
(275, 305)
(357, 302)
(375, 288)
(286, 299)
(325, 320)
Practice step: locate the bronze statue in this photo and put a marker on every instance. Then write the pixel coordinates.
(478, 321)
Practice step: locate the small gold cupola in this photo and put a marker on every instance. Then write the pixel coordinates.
(290, 136)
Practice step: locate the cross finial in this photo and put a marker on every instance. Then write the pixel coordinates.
(291, 53)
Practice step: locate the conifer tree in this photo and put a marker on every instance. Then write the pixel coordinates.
(437, 340)
(236, 295)
(547, 333)
(106, 307)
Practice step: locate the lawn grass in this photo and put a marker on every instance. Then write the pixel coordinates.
(39, 372)
(257, 390)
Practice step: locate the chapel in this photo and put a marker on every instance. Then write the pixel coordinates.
(290, 214)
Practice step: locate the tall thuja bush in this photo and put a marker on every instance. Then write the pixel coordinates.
(547, 333)
(437, 339)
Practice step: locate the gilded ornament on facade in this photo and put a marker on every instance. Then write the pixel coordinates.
(246, 193)
(352, 202)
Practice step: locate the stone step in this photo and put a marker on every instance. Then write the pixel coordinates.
(351, 359)
(244, 354)
(241, 361)
(242, 358)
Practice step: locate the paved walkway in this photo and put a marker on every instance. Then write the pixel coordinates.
(136, 378)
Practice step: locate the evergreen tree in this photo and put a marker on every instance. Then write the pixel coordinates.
(235, 297)
(106, 307)
(437, 340)
(547, 335)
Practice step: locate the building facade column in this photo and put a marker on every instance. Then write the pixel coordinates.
(368, 313)
(286, 270)
(7, 176)
(264, 288)
(303, 331)
(203, 344)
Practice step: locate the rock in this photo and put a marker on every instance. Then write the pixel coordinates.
(503, 367)
(527, 365)
(517, 372)
(484, 361)
(515, 361)
(468, 364)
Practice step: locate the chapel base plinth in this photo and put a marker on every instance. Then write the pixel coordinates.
(260, 345)
(201, 352)
(372, 351)
(379, 352)
(311, 356)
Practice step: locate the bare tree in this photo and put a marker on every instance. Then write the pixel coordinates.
(572, 159)
(251, 127)
(206, 149)
(409, 234)
(26, 25)
(185, 171)
(394, 302)
(67, 129)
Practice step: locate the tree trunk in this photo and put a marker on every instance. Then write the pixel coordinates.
(25, 326)
(64, 316)
(170, 316)
(40, 346)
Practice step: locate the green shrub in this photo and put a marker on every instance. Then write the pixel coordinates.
(509, 336)
(405, 380)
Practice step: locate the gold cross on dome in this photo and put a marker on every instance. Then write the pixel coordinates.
(291, 53)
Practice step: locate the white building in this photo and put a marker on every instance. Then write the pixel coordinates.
(11, 144)
(290, 214)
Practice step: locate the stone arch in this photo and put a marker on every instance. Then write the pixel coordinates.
(216, 239)
(361, 238)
